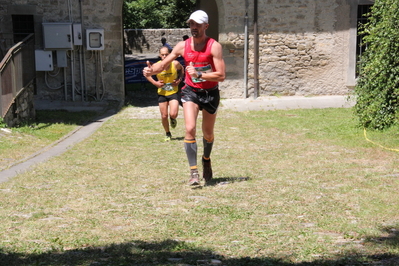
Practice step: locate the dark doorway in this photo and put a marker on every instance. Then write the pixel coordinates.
(22, 25)
(362, 12)
(211, 8)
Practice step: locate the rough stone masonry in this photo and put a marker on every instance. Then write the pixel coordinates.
(305, 46)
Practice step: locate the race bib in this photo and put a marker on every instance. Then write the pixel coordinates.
(203, 69)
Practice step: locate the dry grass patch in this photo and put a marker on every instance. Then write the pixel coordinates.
(19, 143)
(290, 187)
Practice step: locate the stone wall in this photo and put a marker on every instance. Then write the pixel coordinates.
(22, 109)
(303, 47)
(149, 41)
(101, 73)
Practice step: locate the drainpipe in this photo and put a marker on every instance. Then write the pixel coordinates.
(256, 50)
(246, 57)
(73, 74)
(65, 85)
(82, 60)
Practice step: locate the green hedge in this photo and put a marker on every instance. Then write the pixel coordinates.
(378, 84)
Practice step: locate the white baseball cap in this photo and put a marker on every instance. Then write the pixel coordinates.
(199, 16)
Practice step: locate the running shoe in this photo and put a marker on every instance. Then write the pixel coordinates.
(173, 122)
(168, 137)
(194, 178)
(207, 170)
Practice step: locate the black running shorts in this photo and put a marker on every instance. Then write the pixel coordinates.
(205, 99)
(174, 96)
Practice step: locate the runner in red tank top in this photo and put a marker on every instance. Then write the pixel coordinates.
(202, 61)
(204, 69)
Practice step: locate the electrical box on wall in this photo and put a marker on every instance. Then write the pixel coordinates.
(57, 36)
(62, 58)
(77, 34)
(44, 60)
(95, 39)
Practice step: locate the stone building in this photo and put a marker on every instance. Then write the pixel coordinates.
(79, 46)
(304, 47)
(271, 47)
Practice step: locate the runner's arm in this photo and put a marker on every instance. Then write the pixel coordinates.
(160, 66)
(220, 69)
(158, 84)
(180, 72)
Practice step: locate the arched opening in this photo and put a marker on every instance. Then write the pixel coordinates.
(142, 45)
(211, 8)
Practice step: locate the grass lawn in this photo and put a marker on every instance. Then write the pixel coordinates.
(295, 187)
(17, 144)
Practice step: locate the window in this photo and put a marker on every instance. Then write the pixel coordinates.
(23, 25)
(362, 11)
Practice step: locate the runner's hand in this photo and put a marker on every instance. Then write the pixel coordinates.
(191, 70)
(160, 84)
(176, 82)
(147, 71)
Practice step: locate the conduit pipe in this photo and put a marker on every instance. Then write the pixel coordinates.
(65, 85)
(82, 57)
(70, 14)
(81, 73)
(246, 56)
(73, 74)
(256, 51)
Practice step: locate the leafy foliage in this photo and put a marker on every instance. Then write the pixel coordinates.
(378, 85)
(2, 123)
(153, 14)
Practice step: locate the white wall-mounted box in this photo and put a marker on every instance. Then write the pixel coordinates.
(62, 60)
(95, 39)
(44, 60)
(77, 34)
(57, 36)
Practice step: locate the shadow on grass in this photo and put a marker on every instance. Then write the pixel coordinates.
(45, 118)
(390, 238)
(226, 180)
(65, 117)
(177, 138)
(171, 252)
(141, 95)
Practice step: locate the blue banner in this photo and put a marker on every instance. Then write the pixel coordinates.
(134, 69)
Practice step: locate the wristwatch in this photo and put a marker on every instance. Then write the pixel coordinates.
(199, 75)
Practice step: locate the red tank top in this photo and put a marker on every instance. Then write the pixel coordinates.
(203, 62)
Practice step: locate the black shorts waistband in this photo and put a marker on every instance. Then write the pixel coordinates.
(201, 90)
